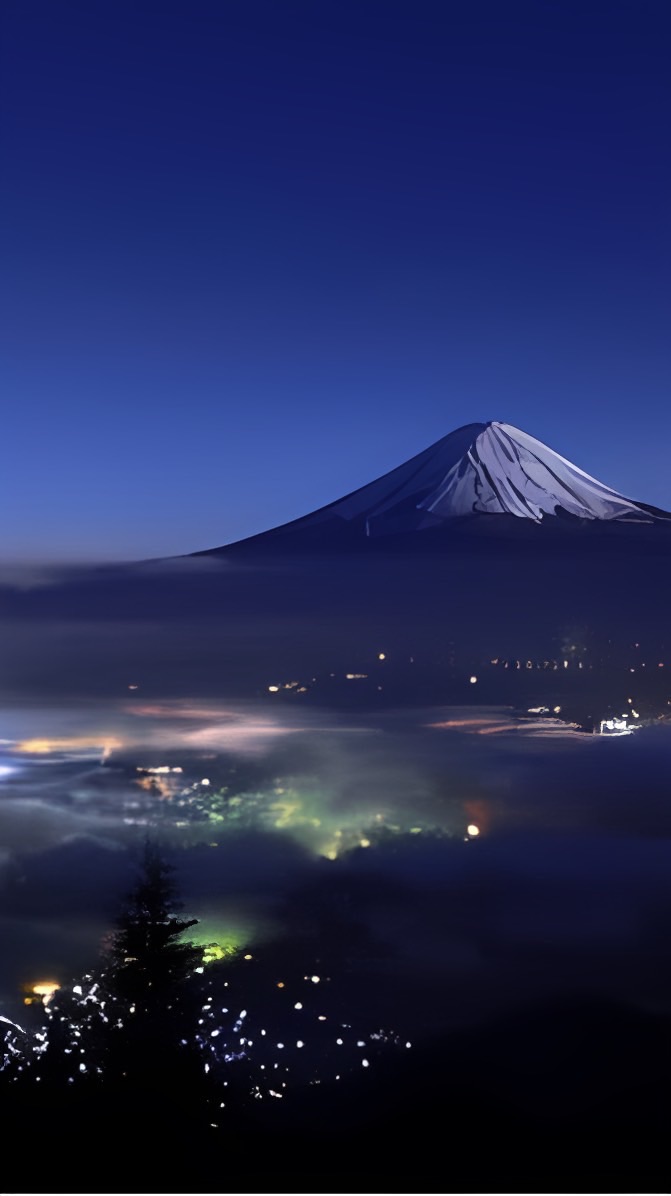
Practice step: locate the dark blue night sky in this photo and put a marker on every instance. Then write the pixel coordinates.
(256, 254)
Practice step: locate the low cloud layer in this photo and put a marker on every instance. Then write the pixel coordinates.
(359, 825)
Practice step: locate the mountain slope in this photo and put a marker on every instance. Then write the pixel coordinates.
(490, 469)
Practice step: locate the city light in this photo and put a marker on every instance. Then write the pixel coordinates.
(43, 990)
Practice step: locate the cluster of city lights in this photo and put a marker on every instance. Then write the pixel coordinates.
(285, 1034)
(296, 1041)
(283, 806)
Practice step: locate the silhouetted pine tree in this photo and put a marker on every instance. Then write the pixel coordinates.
(148, 963)
(150, 984)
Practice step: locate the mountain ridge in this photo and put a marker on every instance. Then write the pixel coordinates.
(477, 472)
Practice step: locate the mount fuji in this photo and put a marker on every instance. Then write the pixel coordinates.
(486, 546)
(477, 471)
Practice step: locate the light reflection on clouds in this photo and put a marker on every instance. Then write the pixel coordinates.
(81, 745)
(504, 722)
(333, 786)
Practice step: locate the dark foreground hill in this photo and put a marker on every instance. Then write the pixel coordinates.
(562, 1098)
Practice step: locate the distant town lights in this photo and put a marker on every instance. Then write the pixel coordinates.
(472, 830)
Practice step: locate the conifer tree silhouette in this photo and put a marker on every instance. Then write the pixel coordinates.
(147, 960)
(150, 981)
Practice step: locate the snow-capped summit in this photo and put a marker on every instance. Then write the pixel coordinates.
(489, 469)
(480, 469)
(506, 471)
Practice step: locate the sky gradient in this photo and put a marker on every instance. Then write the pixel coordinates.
(257, 254)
